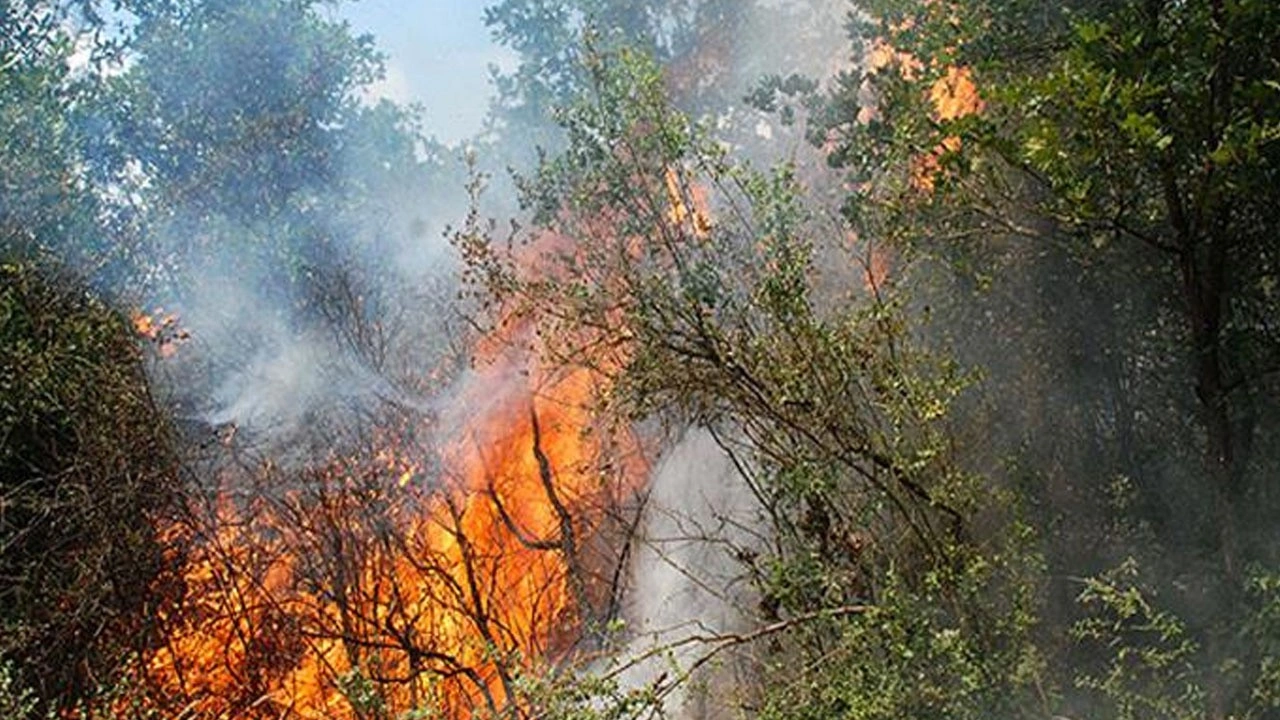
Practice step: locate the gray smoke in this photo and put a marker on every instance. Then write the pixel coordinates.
(688, 587)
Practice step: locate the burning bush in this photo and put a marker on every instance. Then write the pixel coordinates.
(398, 575)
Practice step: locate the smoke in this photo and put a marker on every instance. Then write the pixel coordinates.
(273, 365)
(691, 593)
(313, 278)
(312, 292)
(316, 294)
(688, 578)
(284, 342)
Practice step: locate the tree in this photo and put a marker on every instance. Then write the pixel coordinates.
(1148, 124)
(231, 132)
(43, 194)
(1127, 152)
(251, 189)
(695, 286)
(1051, 155)
(231, 106)
(711, 51)
(87, 459)
(546, 36)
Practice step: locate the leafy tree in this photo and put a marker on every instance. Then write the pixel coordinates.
(43, 194)
(1141, 124)
(237, 134)
(696, 286)
(229, 107)
(1117, 158)
(710, 52)
(234, 151)
(1114, 163)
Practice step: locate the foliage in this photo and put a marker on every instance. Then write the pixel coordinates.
(696, 285)
(44, 195)
(548, 38)
(16, 701)
(1109, 163)
(246, 86)
(232, 139)
(569, 695)
(1262, 627)
(922, 650)
(247, 184)
(87, 466)
(970, 127)
(1147, 663)
(1092, 125)
(1078, 201)
(709, 51)
(1150, 673)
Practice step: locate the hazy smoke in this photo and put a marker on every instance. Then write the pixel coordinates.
(689, 584)
(688, 576)
(279, 350)
(278, 347)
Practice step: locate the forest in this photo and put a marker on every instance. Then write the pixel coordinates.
(769, 359)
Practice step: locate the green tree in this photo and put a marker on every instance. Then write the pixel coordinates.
(43, 193)
(236, 136)
(1148, 124)
(1116, 162)
(230, 106)
(695, 41)
(714, 296)
(234, 149)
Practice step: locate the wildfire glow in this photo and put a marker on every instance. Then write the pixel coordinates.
(954, 95)
(160, 329)
(688, 204)
(292, 610)
(883, 55)
(926, 167)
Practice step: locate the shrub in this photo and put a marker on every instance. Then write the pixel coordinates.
(87, 464)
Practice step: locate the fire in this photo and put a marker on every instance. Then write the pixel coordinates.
(882, 55)
(688, 204)
(160, 329)
(926, 168)
(401, 579)
(309, 603)
(955, 95)
(952, 96)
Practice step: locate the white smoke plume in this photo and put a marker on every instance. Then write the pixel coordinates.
(689, 588)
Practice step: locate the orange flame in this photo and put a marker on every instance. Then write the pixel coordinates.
(688, 203)
(926, 168)
(955, 95)
(294, 608)
(882, 55)
(160, 329)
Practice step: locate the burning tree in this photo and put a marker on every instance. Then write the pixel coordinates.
(690, 382)
(744, 314)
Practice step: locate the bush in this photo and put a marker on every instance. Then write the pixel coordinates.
(87, 465)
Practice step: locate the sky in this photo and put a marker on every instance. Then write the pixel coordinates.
(438, 54)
